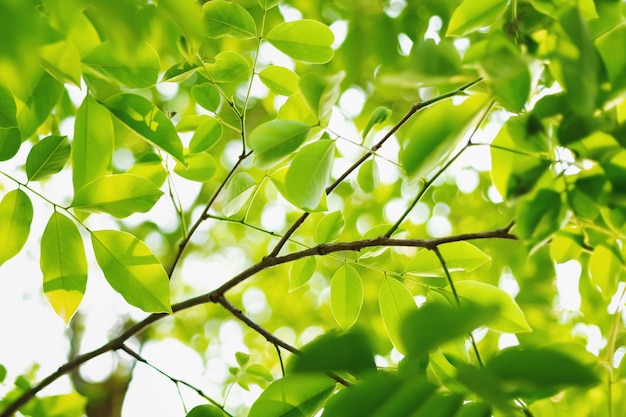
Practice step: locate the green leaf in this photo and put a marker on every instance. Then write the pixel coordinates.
(539, 217)
(206, 95)
(92, 147)
(330, 227)
(145, 119)
(304, 40)
(132, 270)
(435, 133)
(296, 108)
(301, 272)
(436, 323)
(539, 372)
(200, 167)
(321, 93)
(473, 15)
(368, 176)
(299, 395)
(225, 18)
(509, 317)
(395, 302)
(64, 266)
(615, 63)
(308, 174)
(139, 70)
(280, 80)
(436, 62)
(180, 72)
(566, 244)
(10, 136)
(16, 214)
(346, 296)
(42, 98)
(238, 191)
(267, 4)
(205, 136)
(459, 256)
(273, 141)
(206, 410)
(378, 116)
(47, 157)
(62, 60)
(335, 352)
(151, 168)
(381, 394)
(119, 195)
(64, 405)
(228, 67)
(605, 267)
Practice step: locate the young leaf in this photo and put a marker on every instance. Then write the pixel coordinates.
(395, 302)
(92, 147)
(280, 80)
(379, 115)
(206, 410)
(10, 136)
(37, 106)
(225, 18)
(301, 272)
(435, 133)
(62, 60)
(200, 167)
(273, 141)
(330, 227)
(237, 193)
(180, 72)
(16, 214)
(47, 157)
(228, 67)
(566, 244)
(145, 119)
(509, 317)
(132, 270)
(112, 63)
(206, 96)
(299, 395)
(368, 177)
(64, 266)
(321, 93)
(120, 195)
(308, 175)
(472, 15)
(459, 256)
(605, 266)
(205, 136)
(346, 296)
(334, 352)
(436, 323)
(305, 40)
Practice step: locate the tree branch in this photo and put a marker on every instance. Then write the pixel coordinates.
(217, 296)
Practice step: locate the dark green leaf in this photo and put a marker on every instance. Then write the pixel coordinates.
(540, 216)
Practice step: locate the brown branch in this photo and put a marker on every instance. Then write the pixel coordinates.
(217, 296)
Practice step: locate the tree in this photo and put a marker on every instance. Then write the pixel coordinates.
(391, 200)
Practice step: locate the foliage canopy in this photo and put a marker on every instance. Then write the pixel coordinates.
(391, 200)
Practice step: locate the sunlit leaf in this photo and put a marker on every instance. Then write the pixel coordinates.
(605, 267)
(144, 118)
(435, 133)
(64, 266)
(273, 141)
(206, 410)
(225, 18)
(280, 80)
(64, 405)
(62, 60)
(368, 176)
(321, 93)
(301, 272)
(112, 63)
(472, 15)
(566, 244)
(509, 317)
(120, 195)
(305, 40)
(308, 174)
(16, 214)
(200, 167)
(346, 296)
(180, 72)
(42, 98)
(206, 96)
(395, 302)
(228, 67)
(205, 136)
(10, 136)
(132, 270)
(47, 157)
(267, 4)
(378, 116)
(238, 191)
(299, 395)
(296, 108)
(92, 147)
(330, 227)
(459, 256)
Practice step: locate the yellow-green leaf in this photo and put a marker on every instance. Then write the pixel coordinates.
(605, 267)
(330, 227)
(225, 18)
(64, 266)
(280, 80)
(459, 256)
(346, 296)
(205, 136)
(472, 15)
(16, 214)
(237, 193)
(200, 167)
(132, 270)
(273, 141)
(395, 302)
(305, 40)
(301, 272)
(47, 157)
